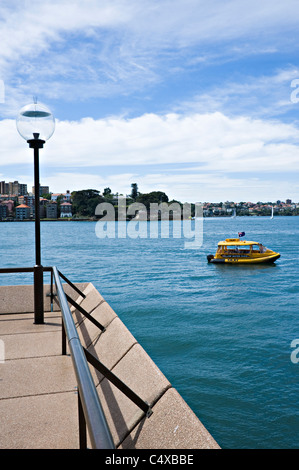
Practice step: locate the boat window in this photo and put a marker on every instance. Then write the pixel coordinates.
(232, 249)
(256, 248)
(244, 248)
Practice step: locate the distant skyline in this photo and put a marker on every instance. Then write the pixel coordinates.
(47, 190)
(197, 99)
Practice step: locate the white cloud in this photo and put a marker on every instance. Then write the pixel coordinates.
(213, 140)
(222, 152)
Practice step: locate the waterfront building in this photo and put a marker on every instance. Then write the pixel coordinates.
(43, 202)
(66, 197)
(16, 188)
(54, 196)
(42, 190)
(3, 211)
(9, 205)
(9, 197)
(22, 212)
(65, 209)
(51, 210)
(3, 187)
(22, 189)
(28, 200)
(13, 188)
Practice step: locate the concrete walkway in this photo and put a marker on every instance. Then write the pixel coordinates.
(38, 397)
(38, 389)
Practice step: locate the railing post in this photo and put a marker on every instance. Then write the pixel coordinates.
(38, 294)
(51, 291)
(82, 425)
(63, 337)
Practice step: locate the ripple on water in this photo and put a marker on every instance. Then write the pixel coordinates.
(221, 334)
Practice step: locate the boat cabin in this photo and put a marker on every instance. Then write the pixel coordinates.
(235, 246)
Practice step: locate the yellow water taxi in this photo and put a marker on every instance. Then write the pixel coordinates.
(236, 251)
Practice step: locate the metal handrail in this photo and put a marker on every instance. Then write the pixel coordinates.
(96, 423)
(27, 269)
(91, 415)
(71, 284)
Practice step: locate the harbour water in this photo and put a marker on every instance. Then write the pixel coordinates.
(221, 334)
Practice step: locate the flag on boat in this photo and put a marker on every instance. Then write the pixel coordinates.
(241, 234)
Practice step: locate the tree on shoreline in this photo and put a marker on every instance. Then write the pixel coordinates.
(153, 197)
(85, 202)
(107, 192)
(134, 192)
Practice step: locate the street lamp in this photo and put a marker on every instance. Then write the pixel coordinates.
(36, 124)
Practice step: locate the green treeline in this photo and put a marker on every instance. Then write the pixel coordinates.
(84, 202)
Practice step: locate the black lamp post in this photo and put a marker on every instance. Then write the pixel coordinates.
(37, 121)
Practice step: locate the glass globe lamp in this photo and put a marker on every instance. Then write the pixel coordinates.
(36, 124)
(35, 121)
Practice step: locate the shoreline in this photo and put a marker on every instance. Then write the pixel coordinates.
(159, 220)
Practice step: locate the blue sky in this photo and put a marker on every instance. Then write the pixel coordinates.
(197, 99)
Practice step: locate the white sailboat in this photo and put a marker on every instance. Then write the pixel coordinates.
(234, 214)
(272, 213)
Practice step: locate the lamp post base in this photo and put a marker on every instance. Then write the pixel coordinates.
(38, 295)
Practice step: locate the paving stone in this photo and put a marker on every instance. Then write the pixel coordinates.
(17, 299)
(25, 377)
(32, 344)
(40, 422)
(23, 323)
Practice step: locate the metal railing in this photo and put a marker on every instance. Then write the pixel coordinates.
(90, 408)
(90, 411)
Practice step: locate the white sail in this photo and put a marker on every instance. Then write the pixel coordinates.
(272, 214)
